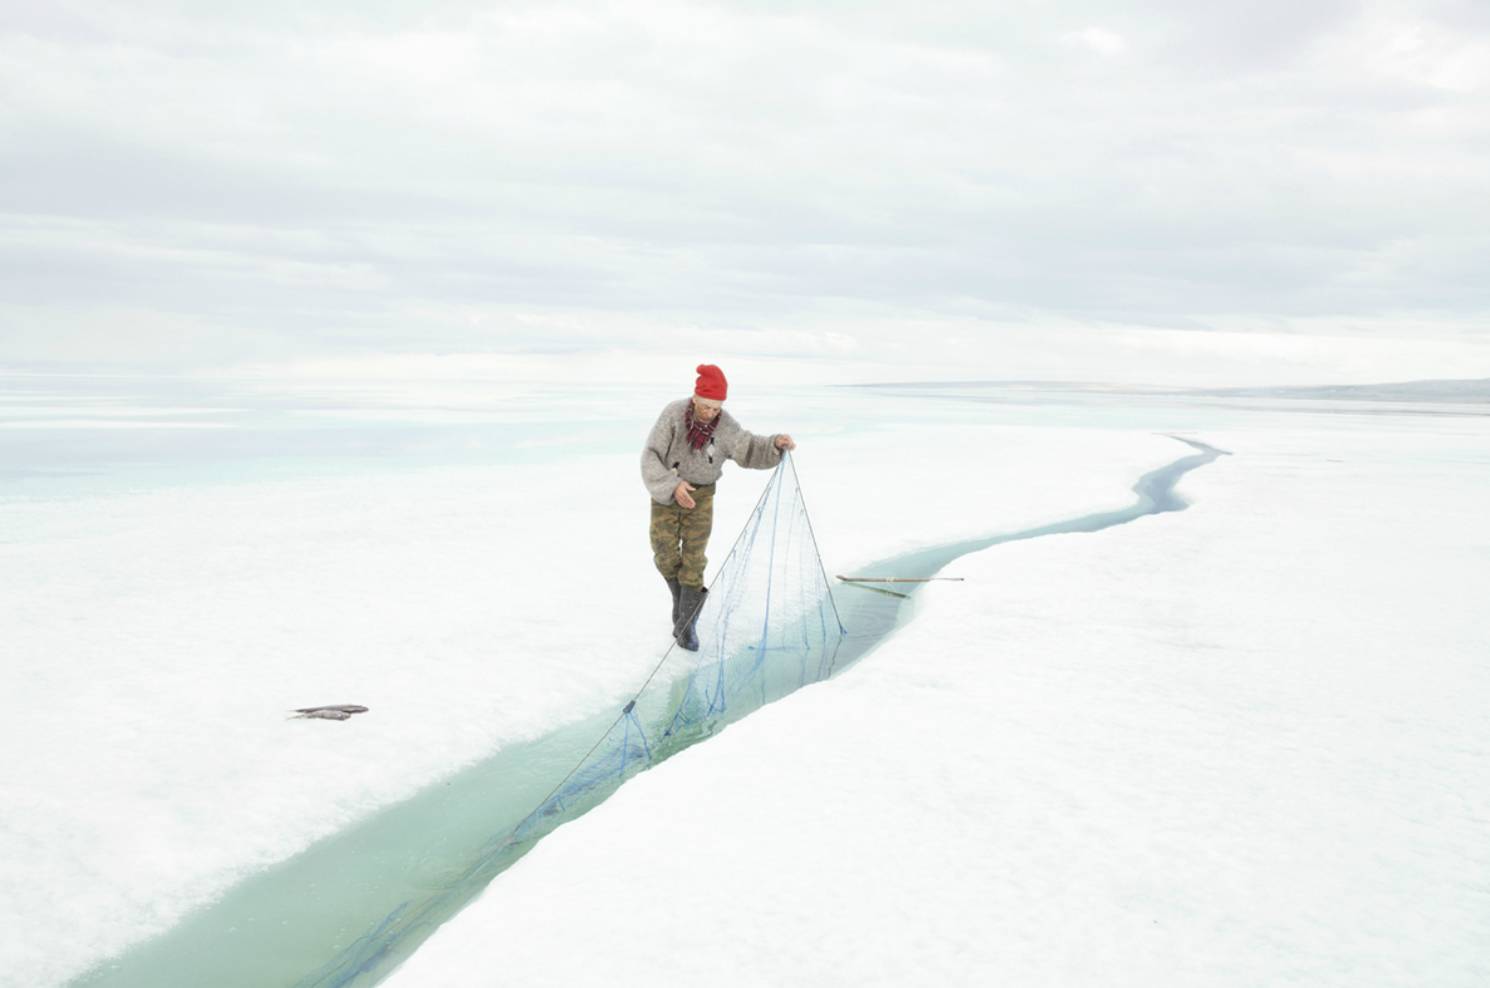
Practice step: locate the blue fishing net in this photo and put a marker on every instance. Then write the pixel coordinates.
(768, 626)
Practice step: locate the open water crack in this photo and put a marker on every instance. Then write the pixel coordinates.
(347, 910)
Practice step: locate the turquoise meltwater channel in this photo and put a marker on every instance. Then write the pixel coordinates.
(349, 909)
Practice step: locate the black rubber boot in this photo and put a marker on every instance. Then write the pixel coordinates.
(677, 589)
(691, 602)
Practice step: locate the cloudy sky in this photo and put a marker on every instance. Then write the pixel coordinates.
(1162, 191)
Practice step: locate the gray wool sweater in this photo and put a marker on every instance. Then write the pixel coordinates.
(667, 458)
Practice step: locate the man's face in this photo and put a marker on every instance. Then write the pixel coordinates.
(705, 409)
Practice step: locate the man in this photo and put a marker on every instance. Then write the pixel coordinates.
(684, 456)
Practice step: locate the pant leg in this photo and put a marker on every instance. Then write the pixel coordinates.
(666, 535)
(696, 523)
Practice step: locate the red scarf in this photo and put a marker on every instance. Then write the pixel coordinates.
(699, 433)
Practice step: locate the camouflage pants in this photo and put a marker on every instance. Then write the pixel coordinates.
(680, 535)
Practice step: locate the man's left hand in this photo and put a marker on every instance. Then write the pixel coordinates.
(785, 442)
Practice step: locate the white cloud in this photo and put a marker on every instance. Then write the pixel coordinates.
(297, 181)
(1101, 41)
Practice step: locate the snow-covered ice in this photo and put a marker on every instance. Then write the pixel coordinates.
(1234, 745)
(1245, 744)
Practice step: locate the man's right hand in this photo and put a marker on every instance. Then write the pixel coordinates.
(681, 492)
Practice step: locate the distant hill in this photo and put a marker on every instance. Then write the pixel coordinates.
(1470, 390)
(1466, 391)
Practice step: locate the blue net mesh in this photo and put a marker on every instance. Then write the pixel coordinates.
(768, 626)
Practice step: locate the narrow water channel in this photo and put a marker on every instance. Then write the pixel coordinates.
(348, 909)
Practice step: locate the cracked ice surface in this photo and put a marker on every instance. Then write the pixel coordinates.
(157, 633)
(1242, 744)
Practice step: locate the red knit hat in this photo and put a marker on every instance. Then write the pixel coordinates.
(711, 383)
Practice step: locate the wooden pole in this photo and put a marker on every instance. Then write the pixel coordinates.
(898, 579)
